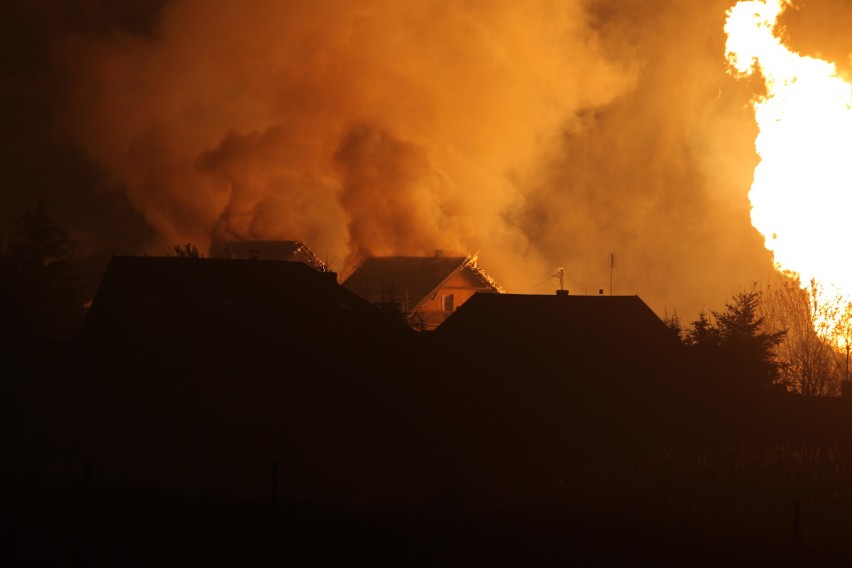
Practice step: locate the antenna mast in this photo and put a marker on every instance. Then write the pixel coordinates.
(560, 273)
(611, 267)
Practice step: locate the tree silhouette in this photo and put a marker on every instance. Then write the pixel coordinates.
(817, 323)
(187, 251)
(674, 324)
(704, 335)
(745, 344)
(390, 304)
(734, 343)
(40, 288)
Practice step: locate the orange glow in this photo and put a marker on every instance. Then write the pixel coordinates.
(802, 188)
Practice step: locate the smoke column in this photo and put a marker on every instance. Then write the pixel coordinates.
(540, 135)
(374, 127)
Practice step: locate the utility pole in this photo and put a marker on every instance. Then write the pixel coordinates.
(611, 267)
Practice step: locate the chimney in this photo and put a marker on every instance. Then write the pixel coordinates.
(330, 276)
(562, 292)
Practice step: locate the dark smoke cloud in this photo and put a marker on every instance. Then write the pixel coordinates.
(363, 128)
(275, 189)
(409, 215)
(660, 176)
(36, 157)
(541, 134)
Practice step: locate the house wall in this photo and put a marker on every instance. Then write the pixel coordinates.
(460, 286)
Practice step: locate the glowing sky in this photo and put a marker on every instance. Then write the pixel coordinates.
(541, 134)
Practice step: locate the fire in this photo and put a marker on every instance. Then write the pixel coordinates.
(802, 188)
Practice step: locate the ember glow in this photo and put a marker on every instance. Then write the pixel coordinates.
(802, 186)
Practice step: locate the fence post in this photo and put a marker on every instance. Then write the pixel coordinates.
(273, 482)
(797, 526)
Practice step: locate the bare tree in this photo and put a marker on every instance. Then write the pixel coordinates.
(813, 354)
(187, 251)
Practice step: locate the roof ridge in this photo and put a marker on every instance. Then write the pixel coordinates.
(471, 262)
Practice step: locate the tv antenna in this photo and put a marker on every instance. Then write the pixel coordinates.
(611, 267)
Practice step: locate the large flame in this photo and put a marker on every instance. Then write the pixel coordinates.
(803, 184)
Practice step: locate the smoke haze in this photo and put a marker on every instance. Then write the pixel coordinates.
(362, 128)
(540, 135)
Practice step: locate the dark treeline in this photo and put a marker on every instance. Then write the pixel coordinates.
(735, 345)
(41, 293)
(253, 411)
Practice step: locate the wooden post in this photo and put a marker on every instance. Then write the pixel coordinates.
(273, 482)
(87, 476)
(797, 526)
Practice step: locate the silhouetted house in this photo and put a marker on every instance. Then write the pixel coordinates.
(601, 321)
(205, 370)
(561, 334)
(294, 251)
(426, 289)
(566, 367)
(209, 302)
(92, 270)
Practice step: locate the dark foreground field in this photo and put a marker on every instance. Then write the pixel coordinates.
(775, 506)
(155, 464)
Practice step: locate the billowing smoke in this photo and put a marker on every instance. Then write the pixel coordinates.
(408, 215)
(376, 127)
(540, 134)
(659, 177)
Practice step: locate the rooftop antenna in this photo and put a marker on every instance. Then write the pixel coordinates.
(611, 267)
(560, 273)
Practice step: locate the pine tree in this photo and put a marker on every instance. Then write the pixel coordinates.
(745, 344)
(734, 344)
(675, 326)
(704, 334)
(39, 279)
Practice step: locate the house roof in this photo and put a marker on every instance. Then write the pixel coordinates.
(214, 359)
(556, 325)
(94, 266)
(415, 276)
(231, 302)
(270, 250)
(576, 375)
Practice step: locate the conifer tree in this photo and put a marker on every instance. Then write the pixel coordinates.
(747, 347)
(40, 289)
(734, 343)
